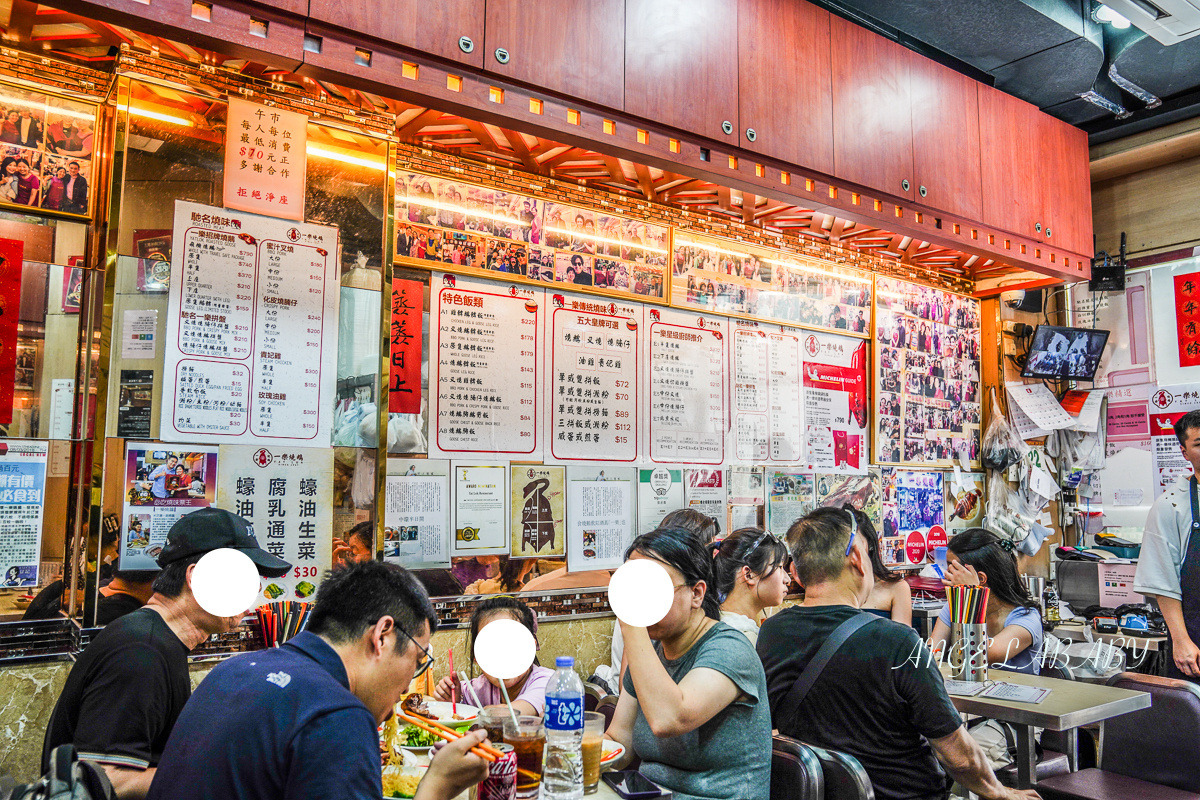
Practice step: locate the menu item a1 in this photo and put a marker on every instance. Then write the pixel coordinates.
(488, 369)
(600, 516)
(416, 513)
(593, 380)
(480, 505)
(835, 403)
(687, 388)
(287, 495)
(660, 491)
(926, 375)
(161, 485)
(252, 329)
(22, 498)
(538, 507)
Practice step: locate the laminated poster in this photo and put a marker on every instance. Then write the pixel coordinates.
(922, 518)
(480, 504)
(1167, 405)
(287, 495)
(686, 400)
(860, 491)
(162, 483)
(835, 403)
(416, 513)
(135, 397)
(660, 491)
(600, 516)
(746, 485)
(487, 370)
(791, 497)
(964, 500)
(538, 507)
(252, 326)
(705, 490)
(22, 498)
(767, 412)
(593, 380)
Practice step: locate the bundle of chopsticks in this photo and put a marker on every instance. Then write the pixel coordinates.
(282, 620)
(488, 754)
(968, 604)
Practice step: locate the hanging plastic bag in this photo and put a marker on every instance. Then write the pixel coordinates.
(1001, 446)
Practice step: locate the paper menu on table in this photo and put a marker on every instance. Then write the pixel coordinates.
(1040, 406)
(1015, 692)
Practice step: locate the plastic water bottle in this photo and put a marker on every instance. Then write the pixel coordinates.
(562, 767)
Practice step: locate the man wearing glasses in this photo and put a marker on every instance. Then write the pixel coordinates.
(300, 721)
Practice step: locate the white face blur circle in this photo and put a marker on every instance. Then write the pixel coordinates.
(640, 592)
(505, 649)
(225, 582)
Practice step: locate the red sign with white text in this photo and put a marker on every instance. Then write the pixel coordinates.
(914, 547)
(404, 378)
(11, 263)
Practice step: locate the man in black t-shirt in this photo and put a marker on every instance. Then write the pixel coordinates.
(880, 697)
(129, 590)
(127, 688)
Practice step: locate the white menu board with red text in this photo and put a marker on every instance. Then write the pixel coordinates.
(592, 378)
(767, 412)
(684, 411)
(835, 403)
(488, 341)
(251, 329)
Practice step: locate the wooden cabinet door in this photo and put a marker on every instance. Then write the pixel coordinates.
(1009, 134)
(784, 81)
(945, 124)
(1067, 190)
(872, 119)
(681, 64)
(432, 26)
(575, 47)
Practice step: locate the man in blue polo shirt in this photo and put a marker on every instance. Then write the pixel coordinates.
(301, 721)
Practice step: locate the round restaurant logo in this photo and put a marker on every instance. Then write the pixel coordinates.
(1162, 398)
(263, 457)
(811, 346)
(294, 234)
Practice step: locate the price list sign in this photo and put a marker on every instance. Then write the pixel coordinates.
(786, 409)
(265, 154)
(687, 389)
(750, 394)
(22, 498)
(593, 380)
(251, 334)
(487, 341)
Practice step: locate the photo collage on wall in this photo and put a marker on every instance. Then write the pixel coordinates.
(927, 391)
(456, 224)
(733, 278)
(46, 148)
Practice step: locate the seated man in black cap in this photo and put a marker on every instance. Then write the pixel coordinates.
(125, 692)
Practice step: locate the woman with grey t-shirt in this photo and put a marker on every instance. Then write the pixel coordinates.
(705, 731)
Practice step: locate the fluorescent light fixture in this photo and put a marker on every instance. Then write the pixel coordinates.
(160, 116)
(1103, 14)
(346, 158)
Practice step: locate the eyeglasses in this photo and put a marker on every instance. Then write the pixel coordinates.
(424, 664)
(853, 528)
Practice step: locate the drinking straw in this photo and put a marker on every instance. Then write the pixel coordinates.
(450, 735)
(453, 686)
(507, 702)
(469, 690)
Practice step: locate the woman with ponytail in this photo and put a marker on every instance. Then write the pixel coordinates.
(977, 557)
(751, 572)
(694, 702)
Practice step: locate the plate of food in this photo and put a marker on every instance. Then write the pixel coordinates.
(401, 780)
(419, 705)
(611, 752)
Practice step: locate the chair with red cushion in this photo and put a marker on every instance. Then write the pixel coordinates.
(1151, 754)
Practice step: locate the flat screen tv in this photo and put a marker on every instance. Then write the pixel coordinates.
(1064, 353)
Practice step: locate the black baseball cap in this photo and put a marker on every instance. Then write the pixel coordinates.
(211, 529)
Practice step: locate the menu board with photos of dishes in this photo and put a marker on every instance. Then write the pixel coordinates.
(738, 279)
(46, 151)
(465, 228)
(927, 392)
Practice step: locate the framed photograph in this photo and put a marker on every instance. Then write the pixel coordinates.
(742, 280)
(46, 151)
(926, 375)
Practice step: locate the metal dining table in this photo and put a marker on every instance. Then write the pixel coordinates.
(1069, 706)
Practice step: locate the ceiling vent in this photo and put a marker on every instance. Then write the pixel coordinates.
(1168, 21)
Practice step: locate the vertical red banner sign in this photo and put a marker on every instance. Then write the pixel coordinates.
(11, 264)
(1187, 318)
(404, 380)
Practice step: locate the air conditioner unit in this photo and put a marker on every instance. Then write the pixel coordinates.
(1168, 21)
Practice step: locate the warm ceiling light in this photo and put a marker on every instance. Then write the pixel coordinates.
(1103, 13)
(346, 158)
(161, 117)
